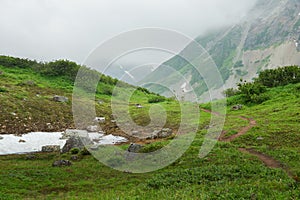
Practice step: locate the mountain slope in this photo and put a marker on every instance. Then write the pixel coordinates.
(27, 89)
(268, 37)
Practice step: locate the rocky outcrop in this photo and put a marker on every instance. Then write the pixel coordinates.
(163, 133)
(76, 142)
(51, 148)
(75, 139)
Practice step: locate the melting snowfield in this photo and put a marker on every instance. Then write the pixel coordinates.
(33, 142)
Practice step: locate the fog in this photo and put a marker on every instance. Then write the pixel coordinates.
(47, 30)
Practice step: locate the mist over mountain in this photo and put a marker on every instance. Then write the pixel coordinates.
(268, 37)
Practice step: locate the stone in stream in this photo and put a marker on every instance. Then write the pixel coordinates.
(1, 138)
(51, 148)
(74, 132)
(76, 142)
(22, 141)
(92, 128)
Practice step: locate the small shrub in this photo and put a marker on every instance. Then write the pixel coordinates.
(3, 89)
(85, 152)
(156, 99)
(230, 92)
(75, 151)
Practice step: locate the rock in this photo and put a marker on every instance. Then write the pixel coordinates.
(49, 126)
(29, 83)
(76, 142)
(259, 138)
(92, 128)
(100, 102)
(113, 121)
(96, 140)
(61, 163)
(134, 148)
(99, 119)
(30, 157)
(94, 147)
(165, 132)
(237, 107)
(22, 141)
(74, 132)
(138, 106)
(51, 148)
(74, 158)
(1, 138)
(135, 133)
(60, 98)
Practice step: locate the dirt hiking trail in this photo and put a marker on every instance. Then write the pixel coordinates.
(267, 160)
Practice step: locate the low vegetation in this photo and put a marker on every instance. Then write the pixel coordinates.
(226, 173)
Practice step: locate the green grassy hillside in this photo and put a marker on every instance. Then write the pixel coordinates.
(226, 173)
(27, 89)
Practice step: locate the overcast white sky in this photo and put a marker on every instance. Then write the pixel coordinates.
(70, 29)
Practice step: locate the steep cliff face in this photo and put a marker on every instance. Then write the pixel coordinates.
(268, 37)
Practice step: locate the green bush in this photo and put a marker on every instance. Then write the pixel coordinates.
(85, 152)
(3, 89)
(280, 76)
(156, 99)
(230, 92)
(75, 151)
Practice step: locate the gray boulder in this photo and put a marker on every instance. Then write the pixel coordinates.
(74, 158)
(76, 142)
(135, 133)
(94, 147)
(92, 128)
(134, 148)
(60, 98)
(165, 132)
(237, 107)
(30, 157)
(74, 133)
(51, 148)
(99, 119)
(61, 163)
(1, 138)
